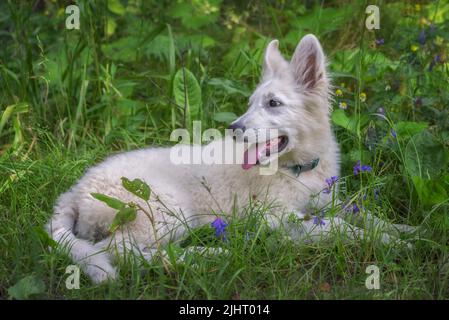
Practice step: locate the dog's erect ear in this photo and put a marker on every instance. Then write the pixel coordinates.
(273, 59)
(308, 64)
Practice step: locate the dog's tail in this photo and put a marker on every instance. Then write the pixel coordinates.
(93, 260)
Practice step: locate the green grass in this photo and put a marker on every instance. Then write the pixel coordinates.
(69, 98)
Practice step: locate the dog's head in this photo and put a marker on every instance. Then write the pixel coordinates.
(293, 98)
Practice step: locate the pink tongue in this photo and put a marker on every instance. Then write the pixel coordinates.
(250, 158)
(253, 154)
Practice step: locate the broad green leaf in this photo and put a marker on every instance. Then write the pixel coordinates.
(124, 49)
(187, 93)
(123, 216)
(137, 187)
(409, 128)
(26, 287)
(430, 192)
(110, 27)
(225, 117)
(111, 202)
(229, 86)
(425, 156)
(116, 7)
(340, 118)
(128, 106)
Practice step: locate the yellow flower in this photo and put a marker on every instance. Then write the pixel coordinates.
(338, 93)
(362, 97)
(414, 48)
(343, 105)
(423, 22)
(417, 7)
(439, 41)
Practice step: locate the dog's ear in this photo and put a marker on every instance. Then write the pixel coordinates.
(309, 65)
(273, 59)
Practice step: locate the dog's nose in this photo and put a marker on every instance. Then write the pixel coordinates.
(237, 125)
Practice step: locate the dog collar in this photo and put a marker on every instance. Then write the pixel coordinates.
(297, 169)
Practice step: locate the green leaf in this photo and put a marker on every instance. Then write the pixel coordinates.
(430, 192)
(137, 187)
(340, 118)
(116, 7)
(123, 216)
(111, 202)
(226, 117)
(26, 287)
(44, 237)
(124, 49)
(17, 108)
(229, 86)
(187, 93)
(110, 27)
(425, 156)
(409, 128)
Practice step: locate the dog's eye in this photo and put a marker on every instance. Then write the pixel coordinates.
(274, 103)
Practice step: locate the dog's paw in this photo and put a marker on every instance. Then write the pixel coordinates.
(100, 270)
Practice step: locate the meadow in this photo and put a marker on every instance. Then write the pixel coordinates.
(70, 97)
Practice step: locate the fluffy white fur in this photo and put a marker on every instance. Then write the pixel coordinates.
(302, 85)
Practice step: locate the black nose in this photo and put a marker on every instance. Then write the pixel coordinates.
(236, 126)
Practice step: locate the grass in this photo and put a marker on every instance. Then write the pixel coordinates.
(69, 98)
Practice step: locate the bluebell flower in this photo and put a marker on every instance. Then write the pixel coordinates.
(422, 37)
(220, 228)
(318, 221)
(379, 42)
(330, 182)
(393, 133)
(352, 208)
(358, 168)
(376, 194)
(381, 110)
(434, 61)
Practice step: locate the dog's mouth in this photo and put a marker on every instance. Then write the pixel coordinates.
(254, 153)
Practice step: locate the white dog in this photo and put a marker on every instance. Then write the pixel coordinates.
(292, 97)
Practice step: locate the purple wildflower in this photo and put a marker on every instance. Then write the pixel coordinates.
(434, 62)
(379, 42)
(351, 208)
(376, 194)
(318, 221)
(422, 37)
(220, 228)
(393, 133)
(358, 168)
(330, 182)
(381, 110)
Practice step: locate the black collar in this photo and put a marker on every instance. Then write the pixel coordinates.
(297, 169)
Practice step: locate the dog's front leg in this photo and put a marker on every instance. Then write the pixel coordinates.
(370, 222)
(303, 228)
